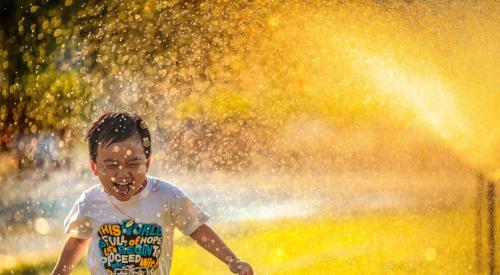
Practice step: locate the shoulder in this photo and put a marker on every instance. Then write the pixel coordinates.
(168, 189)
(93, 193)
(84, 205)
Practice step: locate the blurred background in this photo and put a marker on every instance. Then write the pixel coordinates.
(323, 137)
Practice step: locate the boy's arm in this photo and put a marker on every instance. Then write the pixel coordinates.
(70, 256)
(209, 240)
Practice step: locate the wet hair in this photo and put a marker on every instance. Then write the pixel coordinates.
(112, 127)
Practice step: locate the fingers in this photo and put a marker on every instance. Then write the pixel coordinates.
(241, 268)
(245, 269)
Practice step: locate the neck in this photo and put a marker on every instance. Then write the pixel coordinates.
(143, 185)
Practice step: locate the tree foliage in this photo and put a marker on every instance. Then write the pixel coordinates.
(42, 89)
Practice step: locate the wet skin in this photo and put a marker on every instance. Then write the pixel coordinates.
(122, 167)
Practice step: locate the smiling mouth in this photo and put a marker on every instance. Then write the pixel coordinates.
(123, 187)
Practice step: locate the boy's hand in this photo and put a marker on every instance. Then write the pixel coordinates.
(209, 240)
(241, 268)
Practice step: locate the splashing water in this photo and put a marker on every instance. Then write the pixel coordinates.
(343, 103)
(412, 64)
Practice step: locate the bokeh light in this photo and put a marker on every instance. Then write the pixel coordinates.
(322, 136)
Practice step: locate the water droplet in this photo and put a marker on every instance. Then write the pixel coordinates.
(42, 226)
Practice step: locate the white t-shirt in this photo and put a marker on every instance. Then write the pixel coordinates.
(120, 245)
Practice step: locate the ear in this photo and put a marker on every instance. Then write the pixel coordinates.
(148, 162)
(93, 165)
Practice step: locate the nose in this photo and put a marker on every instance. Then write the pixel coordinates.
(122, 173)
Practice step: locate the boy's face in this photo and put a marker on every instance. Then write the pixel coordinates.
(122, 167)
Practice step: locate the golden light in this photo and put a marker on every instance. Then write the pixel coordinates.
(356, 63)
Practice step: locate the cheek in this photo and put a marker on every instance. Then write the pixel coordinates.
(142, 169)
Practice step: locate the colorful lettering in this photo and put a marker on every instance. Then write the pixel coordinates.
(132, 248)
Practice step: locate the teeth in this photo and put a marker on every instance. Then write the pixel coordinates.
(123, 183)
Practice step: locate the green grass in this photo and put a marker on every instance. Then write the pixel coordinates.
(432, 242)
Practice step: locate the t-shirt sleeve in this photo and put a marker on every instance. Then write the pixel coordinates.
(188, 216)
(78, 224)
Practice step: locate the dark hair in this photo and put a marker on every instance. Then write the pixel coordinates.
(114, 127)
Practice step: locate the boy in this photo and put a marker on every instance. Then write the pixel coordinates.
(128, 220)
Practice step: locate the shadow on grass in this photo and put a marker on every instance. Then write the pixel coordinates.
(44, 267)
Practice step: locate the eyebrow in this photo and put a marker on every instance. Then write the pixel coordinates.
(135, 158)
(109, 160)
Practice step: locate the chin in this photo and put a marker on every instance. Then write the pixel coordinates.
(122, 198)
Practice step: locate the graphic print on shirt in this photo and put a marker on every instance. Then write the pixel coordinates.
(129, 247)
